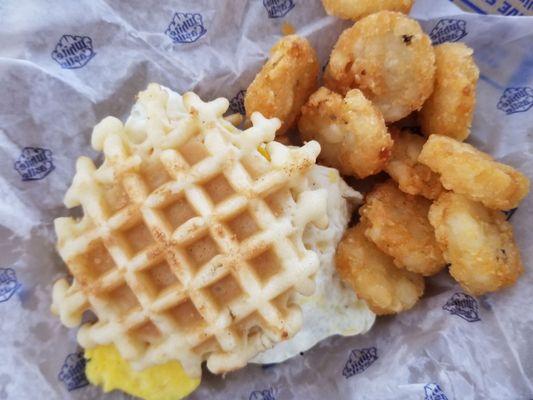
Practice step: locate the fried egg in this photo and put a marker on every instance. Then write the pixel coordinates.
(107, 369)
(334, 308)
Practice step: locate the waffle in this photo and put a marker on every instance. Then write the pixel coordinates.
(190, 247)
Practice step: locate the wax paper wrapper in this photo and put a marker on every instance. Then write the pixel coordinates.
(65, 65)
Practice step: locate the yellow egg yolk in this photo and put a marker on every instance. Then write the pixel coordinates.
(262, 149)
(106, 368)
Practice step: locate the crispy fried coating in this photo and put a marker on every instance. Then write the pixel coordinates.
(355, 9)
(412, 177)
(389, 58)
(373, 275)
(478, 242)
(285, 82)
(450, 108)
(470, 172)
(351, 132)
(398, 225)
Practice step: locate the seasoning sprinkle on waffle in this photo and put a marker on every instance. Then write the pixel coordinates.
(190, 247)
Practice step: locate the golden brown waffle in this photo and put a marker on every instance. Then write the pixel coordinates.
(190, 247)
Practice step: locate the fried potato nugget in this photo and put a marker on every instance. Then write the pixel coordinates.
(450, 108)
(470, 172)
(412, 177)
(351, 132)
(285, 82)
(389, 58)
(373, 276)
(398, 225)
(355, 9)
(478, 242)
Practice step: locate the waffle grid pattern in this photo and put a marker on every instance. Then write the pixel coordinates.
(195, 253)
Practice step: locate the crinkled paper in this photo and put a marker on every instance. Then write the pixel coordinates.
(64, 65)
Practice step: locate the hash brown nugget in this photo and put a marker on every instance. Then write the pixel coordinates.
(373, 275)
(478, 242)
(351, 132)
(389, 58)
(412, 177)
(350, 9)
(450, 108)
(398, 225)
(470, 172)
(285, 82)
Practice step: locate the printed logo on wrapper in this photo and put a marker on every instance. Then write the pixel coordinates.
(278, 8)
(72, 372)
(464, 306)
(359, 361)
(516, 100)
(186, 28)
(8, 284)
(34, 163)
(434, 392)
(448, 30)
(267, 394)
(236, 104)
(73, 51)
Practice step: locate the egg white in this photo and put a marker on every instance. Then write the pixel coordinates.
(333, 309)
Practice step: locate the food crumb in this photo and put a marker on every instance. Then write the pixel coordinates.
(287, 29)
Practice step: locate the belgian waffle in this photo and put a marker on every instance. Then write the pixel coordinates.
(190, 247)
